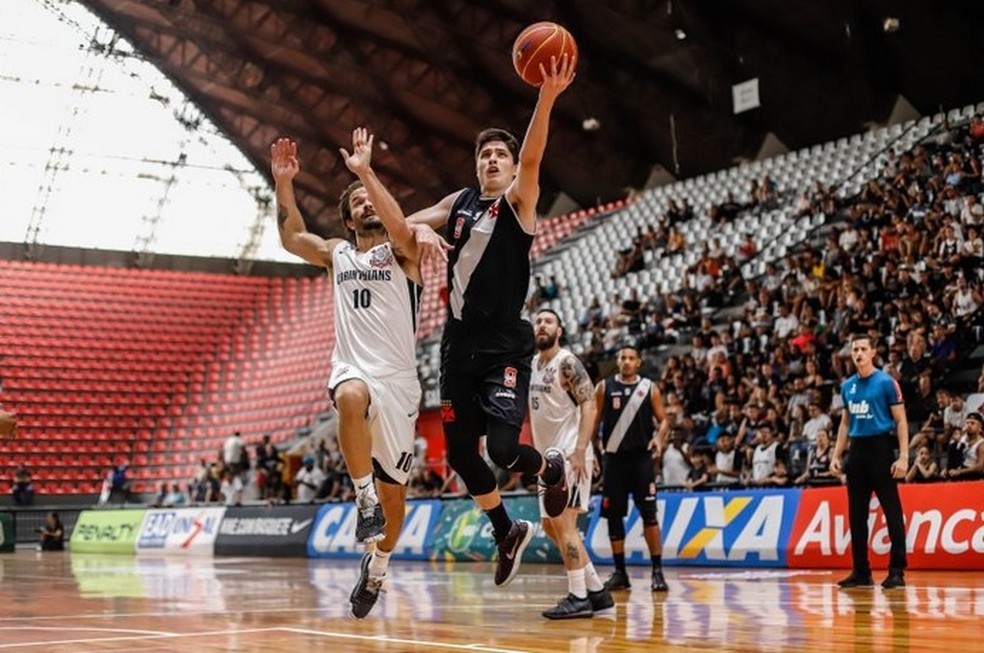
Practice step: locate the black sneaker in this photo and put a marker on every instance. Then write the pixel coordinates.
(554, 494)
(511, 551)
(601, 600)
(659, 583)
(895, 578)
(570, 607)
(370, 524)
(366, 590)
(857, 580)
(619, 580)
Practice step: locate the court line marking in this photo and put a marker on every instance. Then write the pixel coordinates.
(95, 629)
(400, 640)
(133, 615)
(95, 640)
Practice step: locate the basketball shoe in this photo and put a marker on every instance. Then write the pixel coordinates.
(511, 551)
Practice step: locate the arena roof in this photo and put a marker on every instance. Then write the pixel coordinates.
(426, 75)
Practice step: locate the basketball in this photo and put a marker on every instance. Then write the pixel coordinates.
(536, 44)
(8, 426)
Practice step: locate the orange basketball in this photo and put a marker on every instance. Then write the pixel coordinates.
(536, 44)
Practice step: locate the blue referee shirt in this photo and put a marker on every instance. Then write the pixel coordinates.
(869, 401)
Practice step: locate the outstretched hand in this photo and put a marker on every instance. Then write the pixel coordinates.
(360, 159)
(430, 245)
(558, 78)
(283, 160)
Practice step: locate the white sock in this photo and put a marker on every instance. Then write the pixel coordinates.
(592, 580)
(365, 491)
(575, 581)
(378, 563)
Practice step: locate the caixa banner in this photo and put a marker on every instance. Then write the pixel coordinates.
(333, 533)
(944, 524)
(743, 528)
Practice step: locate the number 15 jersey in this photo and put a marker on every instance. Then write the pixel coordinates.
(375, 311)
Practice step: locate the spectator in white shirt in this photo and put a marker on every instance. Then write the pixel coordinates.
(308, 481)
(819, 421)
(956, 413)
(973, 212)
(231, 488)
(786, 324)
(232, 452)
(764, 456)
(848, 239)
(675, 460)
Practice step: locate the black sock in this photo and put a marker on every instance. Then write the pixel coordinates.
(657, 562)
(500, 522)
(619, 562)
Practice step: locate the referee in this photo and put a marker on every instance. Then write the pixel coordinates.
(873, 408)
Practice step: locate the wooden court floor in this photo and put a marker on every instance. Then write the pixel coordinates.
(73, 602)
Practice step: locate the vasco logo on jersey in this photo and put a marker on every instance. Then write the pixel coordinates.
(509, 377)
(381, 257)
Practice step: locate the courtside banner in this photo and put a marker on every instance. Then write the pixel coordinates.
(464, 532)
(280, 531)
(743, 528)
(107, 531)
(944, 528)
(333, 533)
(186, 531)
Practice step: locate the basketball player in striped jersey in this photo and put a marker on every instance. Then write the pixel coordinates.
(374, 384)
(629, 407)
(486, 345)
(562, 414)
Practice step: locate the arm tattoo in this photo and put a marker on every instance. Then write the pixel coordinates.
(281, 216)
(576, 378)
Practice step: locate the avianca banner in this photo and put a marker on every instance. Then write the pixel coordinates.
(944, 528)
(743, 528)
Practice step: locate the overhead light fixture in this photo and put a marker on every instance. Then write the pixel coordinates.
(591, 124)
(680, 34)
(891, 25)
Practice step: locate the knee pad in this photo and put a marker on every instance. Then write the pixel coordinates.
(616, 529)
(502, 442)
(647, 512)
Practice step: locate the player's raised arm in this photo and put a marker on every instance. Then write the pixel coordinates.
(386, 206)
(294, 236)
(525, 189)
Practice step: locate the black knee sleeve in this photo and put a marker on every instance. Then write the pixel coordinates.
(647, 512)
(616, 529)
(464, 459)
(502, 441)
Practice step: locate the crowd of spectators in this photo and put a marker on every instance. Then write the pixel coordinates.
(901, 261)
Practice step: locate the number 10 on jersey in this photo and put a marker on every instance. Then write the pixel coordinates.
(361, 298)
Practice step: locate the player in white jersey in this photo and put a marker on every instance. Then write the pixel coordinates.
(374, 381)
(562, 415)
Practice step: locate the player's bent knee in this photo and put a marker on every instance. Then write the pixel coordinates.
(351, 397)
(503, 454)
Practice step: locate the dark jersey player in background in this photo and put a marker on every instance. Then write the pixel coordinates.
(487, 347)
(629, 406)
